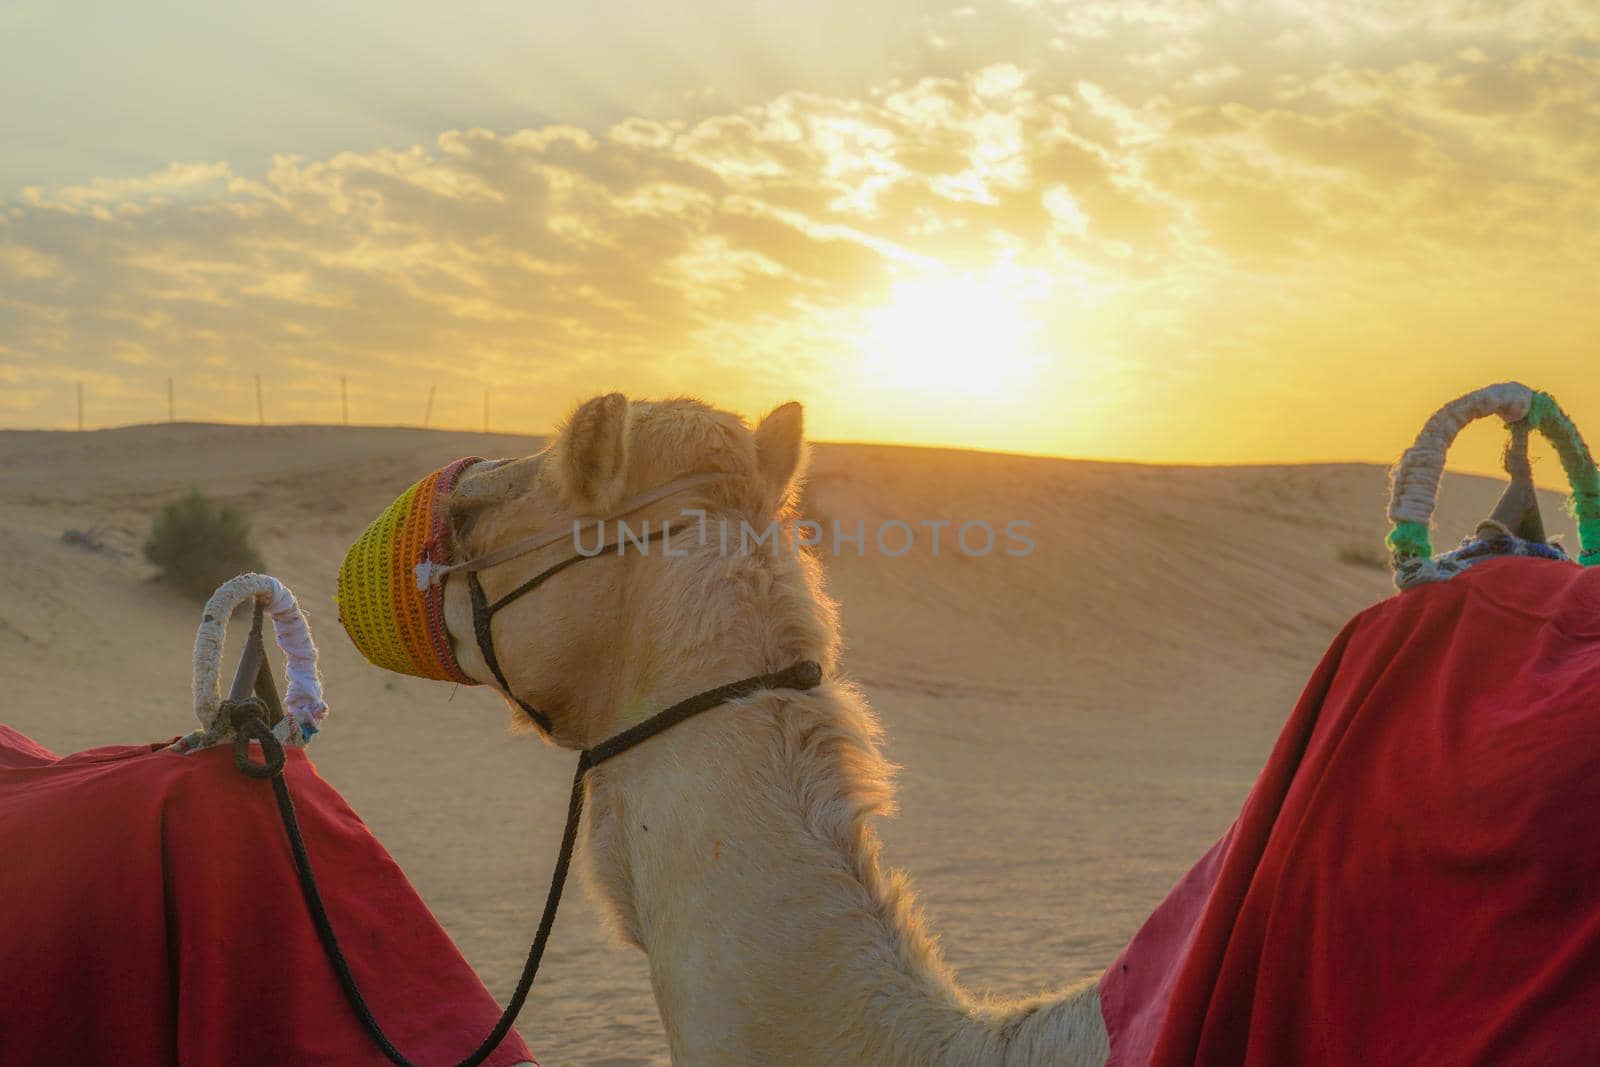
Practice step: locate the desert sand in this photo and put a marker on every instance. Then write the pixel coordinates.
(1074, 727)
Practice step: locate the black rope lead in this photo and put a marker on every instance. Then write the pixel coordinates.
(249, 718)
(341, 966)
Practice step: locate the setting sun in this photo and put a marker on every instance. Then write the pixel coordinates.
(1161, 232)
(1029, 394)
(950, 336)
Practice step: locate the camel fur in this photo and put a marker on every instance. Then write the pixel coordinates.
(736, 850)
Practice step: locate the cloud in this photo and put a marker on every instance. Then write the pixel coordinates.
(1193, 183)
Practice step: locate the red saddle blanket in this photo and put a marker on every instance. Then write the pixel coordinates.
(150, 916)
(1415, 876)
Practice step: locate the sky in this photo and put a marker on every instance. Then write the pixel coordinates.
(1160, 231)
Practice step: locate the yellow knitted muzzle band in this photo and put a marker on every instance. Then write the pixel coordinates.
(396, 625)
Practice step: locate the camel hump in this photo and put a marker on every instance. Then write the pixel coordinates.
(1411, 879)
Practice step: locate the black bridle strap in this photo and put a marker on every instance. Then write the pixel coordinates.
(483, 614)
(806, 674)
(532, 583)
(483, 618)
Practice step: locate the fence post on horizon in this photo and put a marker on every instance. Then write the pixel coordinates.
(344, 398)
(80, 407)
(261, 410)
(427, 412)
(172, 405)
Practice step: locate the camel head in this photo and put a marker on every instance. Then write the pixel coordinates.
(611, 638)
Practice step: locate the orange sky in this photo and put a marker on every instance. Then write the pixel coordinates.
(1154, 231)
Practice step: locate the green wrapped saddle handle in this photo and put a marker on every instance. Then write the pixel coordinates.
(1414, 484)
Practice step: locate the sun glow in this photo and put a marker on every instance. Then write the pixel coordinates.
(950, 337)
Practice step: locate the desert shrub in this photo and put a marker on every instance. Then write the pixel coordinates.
(199, 543)
(1364, 555)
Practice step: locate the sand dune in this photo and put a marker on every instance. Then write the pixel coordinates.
(1075, 726)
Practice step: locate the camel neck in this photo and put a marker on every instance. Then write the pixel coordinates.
(737, 851)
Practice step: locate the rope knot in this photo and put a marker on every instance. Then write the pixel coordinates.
(248, 717)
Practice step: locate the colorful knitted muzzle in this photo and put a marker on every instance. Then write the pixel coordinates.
(396, 624)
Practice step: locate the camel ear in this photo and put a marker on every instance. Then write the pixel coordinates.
(592, 453)
(780, 447)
